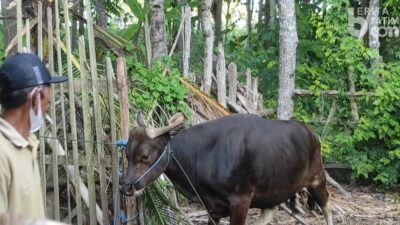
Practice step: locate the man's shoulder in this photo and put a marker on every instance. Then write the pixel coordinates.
(5, 145)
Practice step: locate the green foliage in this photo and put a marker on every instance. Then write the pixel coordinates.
(153, 89)
(325, 59)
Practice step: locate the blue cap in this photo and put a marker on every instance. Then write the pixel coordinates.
(23, 70)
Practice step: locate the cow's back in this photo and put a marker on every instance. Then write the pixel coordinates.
(245, 153)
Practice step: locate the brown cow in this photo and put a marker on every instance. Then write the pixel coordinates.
(235, 163)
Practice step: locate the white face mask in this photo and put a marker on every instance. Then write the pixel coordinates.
(36, 120)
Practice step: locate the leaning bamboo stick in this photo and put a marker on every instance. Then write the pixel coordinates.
(28, 35)
(71, 171)
(14, 41)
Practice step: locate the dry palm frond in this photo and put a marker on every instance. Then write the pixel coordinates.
(203, 104)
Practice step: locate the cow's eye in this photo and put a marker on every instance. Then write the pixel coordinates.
(145, 157)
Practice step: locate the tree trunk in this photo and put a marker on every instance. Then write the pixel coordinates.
(227, 17)
(260, 14)
(158, 35)
(272, 12)
(179, 46)
(287, 58)
(9, 25)
(187, 36)
(208, 45)
(218, 20)
(374, 29)
(74, 25)
(81, 27)
(101, 13)
(250, 7)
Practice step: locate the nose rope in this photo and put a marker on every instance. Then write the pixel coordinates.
(167, 149)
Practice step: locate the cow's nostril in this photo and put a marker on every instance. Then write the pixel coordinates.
(126, 189)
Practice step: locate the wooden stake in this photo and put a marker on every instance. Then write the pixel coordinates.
(232, 76)
(124, 108)
(221, 76)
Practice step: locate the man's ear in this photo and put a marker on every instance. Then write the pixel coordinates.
(33, 98)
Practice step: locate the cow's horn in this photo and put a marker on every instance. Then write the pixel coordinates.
(140, 120)
(175, 121)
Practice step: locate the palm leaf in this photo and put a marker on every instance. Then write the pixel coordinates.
(159, 207)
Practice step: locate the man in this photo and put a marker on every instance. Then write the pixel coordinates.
(24, 94)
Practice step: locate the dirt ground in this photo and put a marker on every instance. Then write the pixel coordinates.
(363, 206)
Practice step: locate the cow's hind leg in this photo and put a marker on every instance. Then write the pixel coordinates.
(320, 194)
(238, 208)
(266, 216)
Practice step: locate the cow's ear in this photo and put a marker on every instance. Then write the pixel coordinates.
(178, 119)
(176, 130)
(140, 120)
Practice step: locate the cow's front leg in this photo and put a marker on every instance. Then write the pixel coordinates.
(239, 206)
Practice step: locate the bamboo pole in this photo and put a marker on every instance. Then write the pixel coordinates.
(62, 99)
(352, 89)
(53, 115)
(28, 35)
(41, 131)
(114, 153)
(97, 113)
(332, 93)
(19, 24)
(87, 126)
(40, 29)
(72, 113)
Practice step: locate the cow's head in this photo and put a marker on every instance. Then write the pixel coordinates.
(148, 152)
